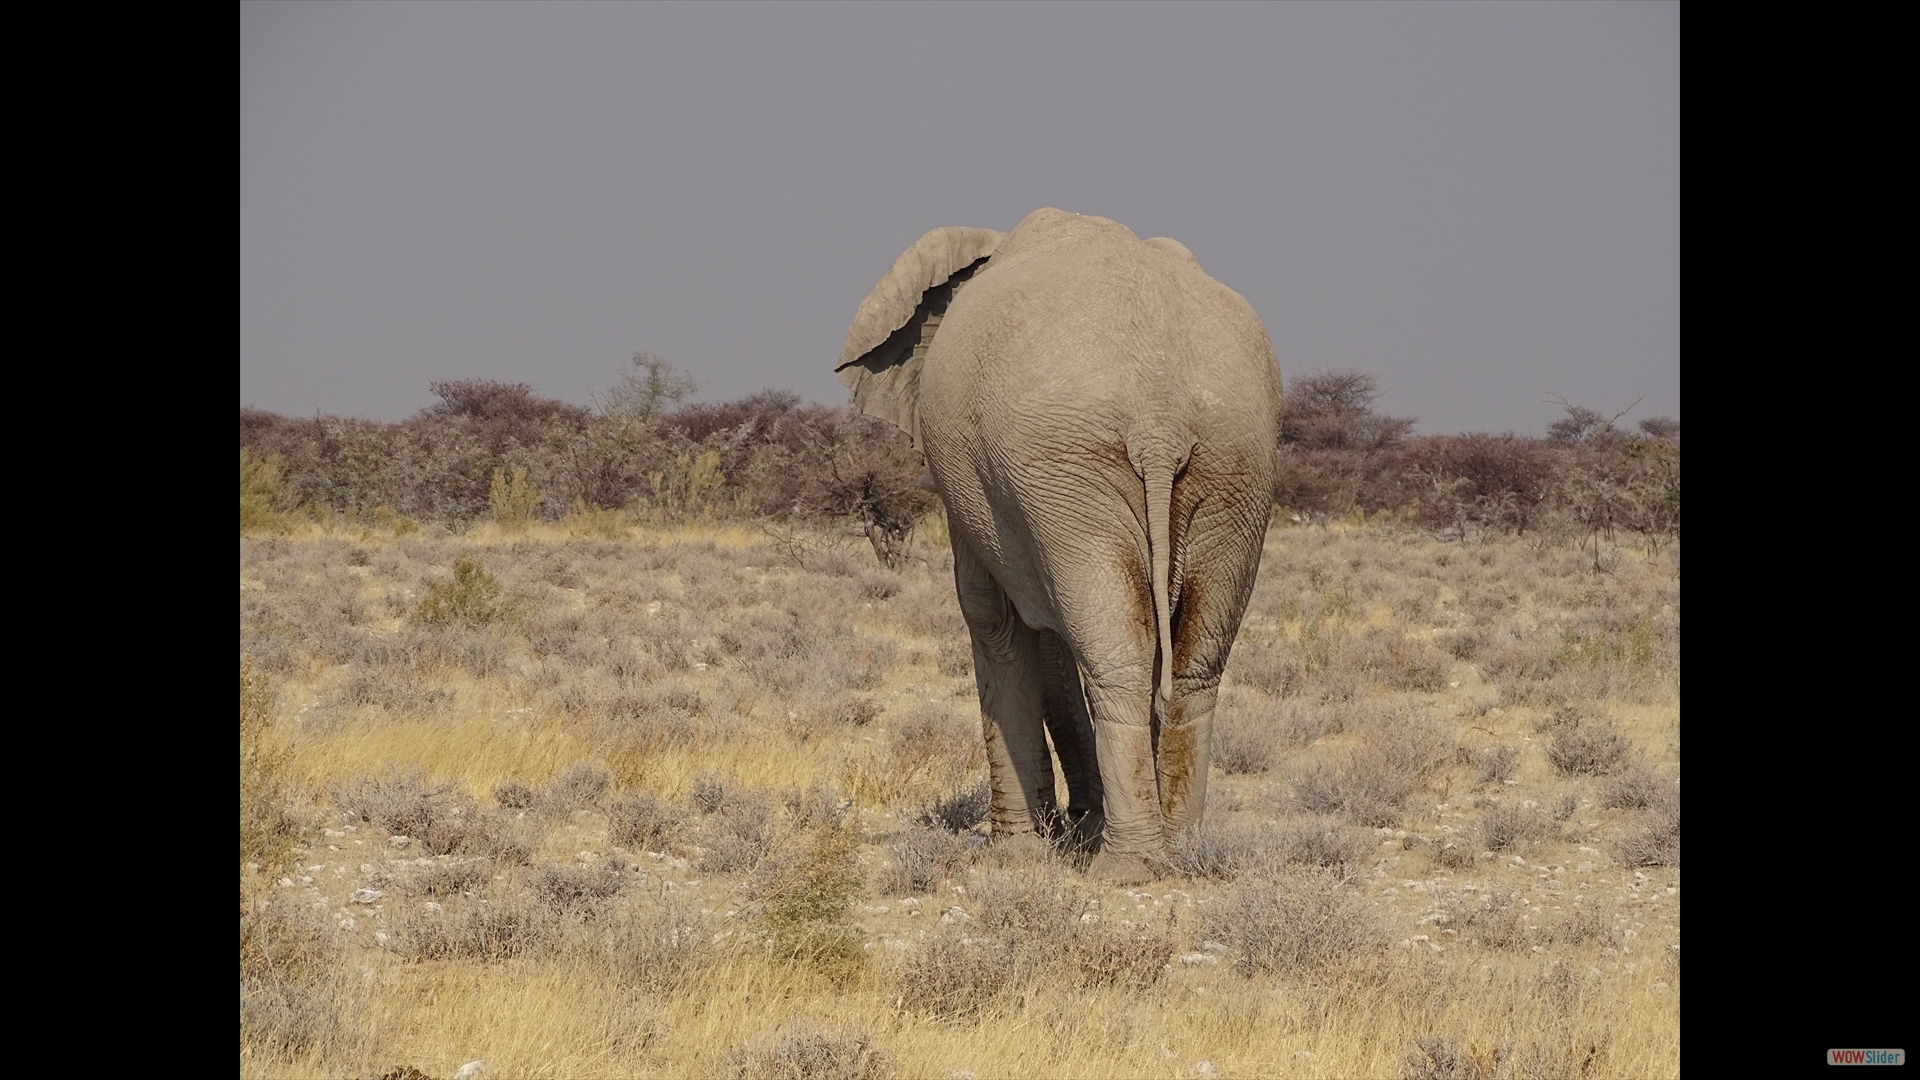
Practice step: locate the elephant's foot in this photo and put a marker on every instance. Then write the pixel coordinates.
(1083, 830)
(1111, 868)
(1018, 844)
(1040, 818)
(1020, 848)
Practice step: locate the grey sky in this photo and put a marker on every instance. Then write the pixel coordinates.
(1479, 203)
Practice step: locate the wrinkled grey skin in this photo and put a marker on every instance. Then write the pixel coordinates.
(1100, 417)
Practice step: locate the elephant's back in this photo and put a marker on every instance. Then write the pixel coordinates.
(1077, 321)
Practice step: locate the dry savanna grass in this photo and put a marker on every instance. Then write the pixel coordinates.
(706, 802)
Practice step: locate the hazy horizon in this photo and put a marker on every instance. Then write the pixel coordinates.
(1476, 203)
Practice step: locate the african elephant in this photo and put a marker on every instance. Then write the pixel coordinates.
(1100, 417)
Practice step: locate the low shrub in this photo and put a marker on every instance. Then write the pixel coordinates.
(739, 834)
(652, 943)
(1241, 747)
(1509, 825)
(402, 803)
(580, 786)
(642, 823)
(955, 977)
(506, 923)
(1636, 787)
(818, 805)
(1655, 839)
(513, 795)
(1497, 920)
(959, 811)
(808, 1053)
(457, 878)
(1131, 958)
(1369, 783)
(708, 794)
(1293, 921)
(1223, 851)
(1326, 843)
(1588, 748)
(1496, 764)
(919, 858)
(505, 840)
(574, 889)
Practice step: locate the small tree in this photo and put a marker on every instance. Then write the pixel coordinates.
(867, 470)
(1335, 452)
(1333, 410)
(1661, 428)
(646, 390)
(1610, 479)
(1583, 426)
(610, 461)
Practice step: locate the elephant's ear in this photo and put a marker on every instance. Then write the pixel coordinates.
(887, 343)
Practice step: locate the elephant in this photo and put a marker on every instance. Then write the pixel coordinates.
(1100, 418)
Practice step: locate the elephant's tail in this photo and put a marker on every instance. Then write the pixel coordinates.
(1158, 471)
(1159, 549)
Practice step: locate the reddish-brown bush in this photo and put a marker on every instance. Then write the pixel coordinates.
(772, 455)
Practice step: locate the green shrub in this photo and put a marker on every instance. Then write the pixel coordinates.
(1632, 647)
(472, 598)
(805, 896)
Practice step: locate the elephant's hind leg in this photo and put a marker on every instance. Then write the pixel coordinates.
(1184, 754)
(1071, 727)
(1220, 561)
(1111, 632)
(1007, 669)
